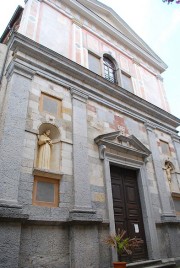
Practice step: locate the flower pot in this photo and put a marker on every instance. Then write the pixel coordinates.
(119, 264)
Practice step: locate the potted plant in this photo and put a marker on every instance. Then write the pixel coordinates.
(123, 245)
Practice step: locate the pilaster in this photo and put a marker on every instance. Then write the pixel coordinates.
(82, 197)
(13, 131)
(167, 211)
(83, 214)
(11, 149)
(148, 215)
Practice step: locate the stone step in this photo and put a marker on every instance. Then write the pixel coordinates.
(167, 265)
(152, 264)
(144, 263)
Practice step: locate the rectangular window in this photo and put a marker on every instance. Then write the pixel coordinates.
(177, 205)
(126, 82)
(165, 148)
(94, 63)
(45, 192)
(50, 105)
(176, 199)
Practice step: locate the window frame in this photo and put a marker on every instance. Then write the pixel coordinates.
(176, 197)
(35, 202)
(59, 105)
(114, 69)
(129, 76)
(98, 58)
(165, 142)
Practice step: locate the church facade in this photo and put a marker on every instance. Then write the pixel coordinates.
(88, 145)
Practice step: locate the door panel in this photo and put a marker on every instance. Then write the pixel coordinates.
(127, 207)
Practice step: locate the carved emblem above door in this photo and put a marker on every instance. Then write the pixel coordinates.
(115, 142)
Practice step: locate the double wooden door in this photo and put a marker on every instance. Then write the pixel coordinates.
(127, 208)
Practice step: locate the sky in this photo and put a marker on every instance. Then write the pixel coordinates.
(157, 23)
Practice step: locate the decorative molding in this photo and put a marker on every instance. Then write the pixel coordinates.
(47, 173)
(102, 149)
(121, 143)
(124, 161)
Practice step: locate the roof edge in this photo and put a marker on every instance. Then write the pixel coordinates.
(13, 19)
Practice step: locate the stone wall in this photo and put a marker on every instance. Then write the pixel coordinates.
(44, 246)
(9, 244)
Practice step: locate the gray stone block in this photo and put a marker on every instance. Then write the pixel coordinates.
(47, 247)
(83, 255)
(9, 244)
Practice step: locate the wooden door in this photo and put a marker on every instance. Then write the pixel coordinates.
(127, 207)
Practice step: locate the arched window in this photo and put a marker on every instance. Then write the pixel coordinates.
(109, 69)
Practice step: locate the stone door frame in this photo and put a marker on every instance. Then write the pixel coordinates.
(113, 152)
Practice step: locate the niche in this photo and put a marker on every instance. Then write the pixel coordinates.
(48, 148)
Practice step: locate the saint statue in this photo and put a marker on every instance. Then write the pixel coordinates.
(44, 154)
(168, 168)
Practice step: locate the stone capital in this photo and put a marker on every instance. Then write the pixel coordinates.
(175, 138)
(159, 77)
(15, 67)
(149, 126)
(77, 22)
(79, 95)
(136, 61)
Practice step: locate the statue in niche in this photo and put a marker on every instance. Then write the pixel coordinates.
(44, 153)
(169, 167)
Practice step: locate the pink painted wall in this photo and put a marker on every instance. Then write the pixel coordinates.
(59, 28)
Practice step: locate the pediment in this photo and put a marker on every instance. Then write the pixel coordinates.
(109, 15)
(121, 143)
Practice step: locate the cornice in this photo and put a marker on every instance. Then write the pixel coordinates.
(54, 66)
(150, 56)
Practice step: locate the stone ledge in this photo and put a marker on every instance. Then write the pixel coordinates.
(168, 219)
(175, 195)
(48, 173)
(9, 213)
(84, 216)
(9, 204)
